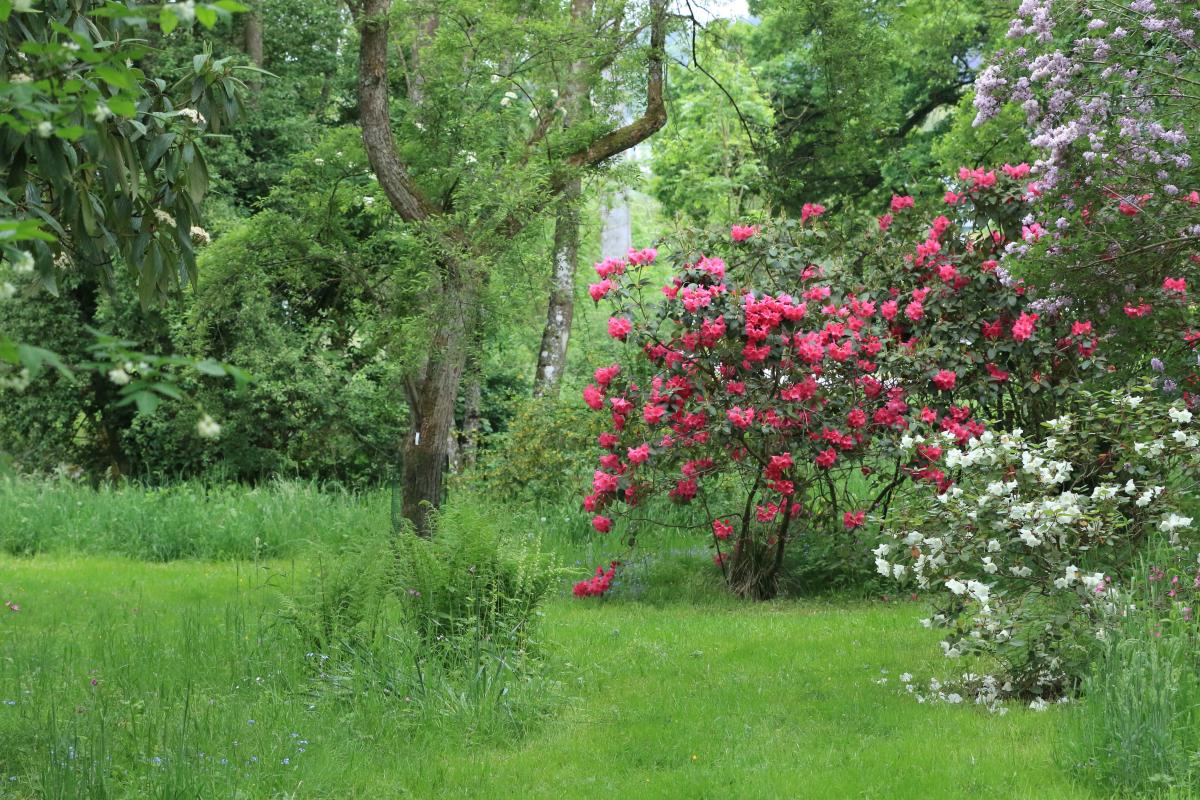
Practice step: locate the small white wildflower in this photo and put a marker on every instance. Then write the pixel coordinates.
(45, 129)
(119, 376)
(956, 586)
(320, 162)
(192, 115)
(200, 236)
(1174, 522)
(208, 427)
(368, 201)
(1131, 401)
(164, 218)
(1179, 415)
(7, 291)
(19, 78)
(101, 113)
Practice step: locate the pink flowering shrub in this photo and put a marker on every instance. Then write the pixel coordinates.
(772, 380)
(1026, 555)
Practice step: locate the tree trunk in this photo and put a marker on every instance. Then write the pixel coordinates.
(753, 572)
(427, 446)
(252, 41)
(552, 355)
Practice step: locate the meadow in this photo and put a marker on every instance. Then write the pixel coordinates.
(122, 677)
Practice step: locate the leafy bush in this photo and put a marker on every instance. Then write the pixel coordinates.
(1025, 556)
(543, 454)
(343, 603)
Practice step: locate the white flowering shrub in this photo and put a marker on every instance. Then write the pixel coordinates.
(1024, 554)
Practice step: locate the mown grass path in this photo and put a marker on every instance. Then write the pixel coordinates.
(670, 701)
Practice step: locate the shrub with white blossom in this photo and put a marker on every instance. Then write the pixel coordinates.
(1025, 554)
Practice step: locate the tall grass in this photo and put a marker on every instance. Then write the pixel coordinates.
(1138, 730)
(279, 519)
(186, 520)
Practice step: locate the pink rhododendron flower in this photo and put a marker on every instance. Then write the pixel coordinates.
(643, 256)
(599, 290)
(598, 585)
(602, 524)
(741, 417)
(619, 327)
(901, 202)
(639, 454)
(722, 529)
(810, 210)
(945, 380)
(610, 266)
(740, 233)
(593, 397)
(1175, 285)
(1022, 329)
(1019, 172)
(854, 519)
(605, 375)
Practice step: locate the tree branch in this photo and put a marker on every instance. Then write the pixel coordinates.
(371, 16)
(655, 116)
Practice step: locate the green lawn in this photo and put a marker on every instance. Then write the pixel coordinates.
(672, 701)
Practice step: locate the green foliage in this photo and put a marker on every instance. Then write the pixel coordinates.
(707, 162)
(340, 609)
(308, 86)
(104, 157)
(862, 90)
(547, 448)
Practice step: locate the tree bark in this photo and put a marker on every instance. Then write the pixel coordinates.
(252, 41)
(432, 392)
(556, 336)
